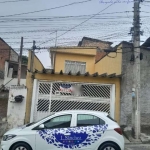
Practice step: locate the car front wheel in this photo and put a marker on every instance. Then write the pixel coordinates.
(21, 146)
(109, 146)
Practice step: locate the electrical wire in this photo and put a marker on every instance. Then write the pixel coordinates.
(42, 10)
(145, 5)
(78, 24)
(14, 1)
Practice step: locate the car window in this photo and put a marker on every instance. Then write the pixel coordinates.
(58, 122)
(88, 120)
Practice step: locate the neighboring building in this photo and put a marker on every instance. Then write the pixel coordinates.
(11, 74)
(75, 82)
(89, 42)
(6, 54)
(126, 84)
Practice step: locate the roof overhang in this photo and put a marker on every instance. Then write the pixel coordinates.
(75, 50)
(87, 74)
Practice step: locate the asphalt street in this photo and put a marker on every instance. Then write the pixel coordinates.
(138, 147)
(134, 147)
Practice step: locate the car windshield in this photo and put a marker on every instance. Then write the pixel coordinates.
(38, 120)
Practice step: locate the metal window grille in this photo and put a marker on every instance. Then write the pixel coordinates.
(60, 105)
(86, 90)
(75, 66)
(43, 105)
(51, 98)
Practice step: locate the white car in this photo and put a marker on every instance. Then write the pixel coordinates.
(80, 130)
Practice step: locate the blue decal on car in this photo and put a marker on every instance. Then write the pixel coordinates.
(73, 137)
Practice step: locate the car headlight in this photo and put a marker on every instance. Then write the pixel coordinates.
(8, 137)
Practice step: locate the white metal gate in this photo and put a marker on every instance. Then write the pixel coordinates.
(51, 97)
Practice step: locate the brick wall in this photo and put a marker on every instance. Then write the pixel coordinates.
(126, 88)
(96, 43)
(4, 54)
(13, 56)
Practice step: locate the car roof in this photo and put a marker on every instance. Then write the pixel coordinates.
(82, 111)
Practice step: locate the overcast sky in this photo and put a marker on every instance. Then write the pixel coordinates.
(113, 24)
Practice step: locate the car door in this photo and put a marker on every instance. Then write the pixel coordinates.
(54, 134)
(91, 130)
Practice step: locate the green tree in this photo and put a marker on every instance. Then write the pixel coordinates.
(24, 60)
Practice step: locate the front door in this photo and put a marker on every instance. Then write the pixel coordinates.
(52, 137)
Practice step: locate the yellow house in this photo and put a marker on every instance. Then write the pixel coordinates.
(75, 81)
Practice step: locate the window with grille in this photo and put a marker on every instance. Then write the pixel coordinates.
(75, 66)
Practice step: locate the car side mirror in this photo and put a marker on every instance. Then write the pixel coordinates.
(41, 126)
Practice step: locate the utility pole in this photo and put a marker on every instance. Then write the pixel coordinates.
(20, 61)
(56, 39)
(136, 121)
(32, 57)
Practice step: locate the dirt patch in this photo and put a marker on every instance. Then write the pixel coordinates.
(3, 108)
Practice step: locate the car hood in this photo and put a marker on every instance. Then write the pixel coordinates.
(15, 130)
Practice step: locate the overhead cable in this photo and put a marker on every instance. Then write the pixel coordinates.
(78, 24)
(31, 12)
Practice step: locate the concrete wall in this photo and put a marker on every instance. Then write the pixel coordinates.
(1, 82)
(16, 111)
(11, 78)
(29, 83)
(13, 81)
(14, 67)
(145, 88)
(126, 87)
(13, 56)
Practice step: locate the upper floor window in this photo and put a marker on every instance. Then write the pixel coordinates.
(75, 66)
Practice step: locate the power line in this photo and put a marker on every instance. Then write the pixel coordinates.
(14, 1)
(31, 12)
(78, 24)
(145, 5)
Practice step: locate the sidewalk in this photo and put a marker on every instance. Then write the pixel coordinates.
(144, 139)
(144, 136)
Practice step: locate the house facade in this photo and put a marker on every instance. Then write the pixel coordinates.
(77, 81)
(74, 82)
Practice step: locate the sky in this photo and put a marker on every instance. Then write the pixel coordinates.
(112, 22)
